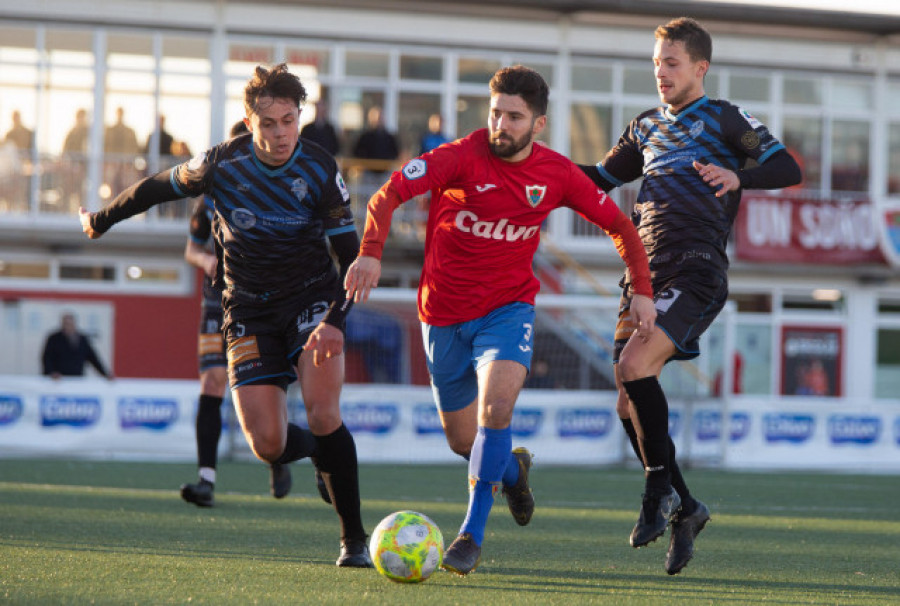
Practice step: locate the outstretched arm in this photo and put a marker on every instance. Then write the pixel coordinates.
(136, 199)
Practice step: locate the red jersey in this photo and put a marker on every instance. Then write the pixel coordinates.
(484, 224)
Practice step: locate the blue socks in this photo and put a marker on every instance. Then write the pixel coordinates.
(488, 466)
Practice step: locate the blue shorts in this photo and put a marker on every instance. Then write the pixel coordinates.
(454, 353)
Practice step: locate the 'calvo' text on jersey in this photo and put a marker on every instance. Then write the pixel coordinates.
(468, 222)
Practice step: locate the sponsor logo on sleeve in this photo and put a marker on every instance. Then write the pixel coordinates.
(792, 428)
(853, 429)
(583, 423)
(371, 418)
(69, 411)
(11, 407)
(753, 122)
(342, 187)
(156, 414)
(415, 169)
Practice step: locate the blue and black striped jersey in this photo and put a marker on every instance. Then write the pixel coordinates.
(271, 222)
(681, 221)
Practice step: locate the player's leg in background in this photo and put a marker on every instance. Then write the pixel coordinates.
(335, 452)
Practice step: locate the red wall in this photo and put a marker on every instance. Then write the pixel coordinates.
(154, 337)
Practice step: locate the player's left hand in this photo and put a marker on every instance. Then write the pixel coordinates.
(718, 177)
(85, 218)
(643, 313)
(325, 341)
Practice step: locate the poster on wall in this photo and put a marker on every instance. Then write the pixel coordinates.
(811, 361)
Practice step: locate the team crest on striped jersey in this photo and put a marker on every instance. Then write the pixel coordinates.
(299, 188)
(535, 194)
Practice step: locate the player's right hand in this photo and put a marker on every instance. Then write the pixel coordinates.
(86, 226)
(362, 277)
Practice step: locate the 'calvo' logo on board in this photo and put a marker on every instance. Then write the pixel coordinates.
(70, 411)
(784, 427)
(157, 414)
(853, 429)
(11, 407)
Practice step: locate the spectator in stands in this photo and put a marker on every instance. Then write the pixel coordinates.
(19, 134)
(435, 136)
(165, 139)
(67, 350)
(376, 142)
(321, 130)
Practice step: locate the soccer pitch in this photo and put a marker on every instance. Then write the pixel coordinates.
(118, 533)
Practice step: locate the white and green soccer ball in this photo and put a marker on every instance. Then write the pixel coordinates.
(407, 547)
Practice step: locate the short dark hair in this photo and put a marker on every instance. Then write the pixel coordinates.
(697, 41)
(524, 82)
(277, 83)
(238, 128)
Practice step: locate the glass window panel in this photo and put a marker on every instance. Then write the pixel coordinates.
(70, 43)
(98, 273)
(19, 38)
(318, 59)
(893, 176)
(544, 69)
(752, 362)
(477, 71)
(639, 81)
(803, 91)
(803, 140)
(711, 84)
(367, 64)
(412, 119)
(137, 273)
(18, 76)
(23, 269)
(894, 93)
(852, 94)
(471, 113)
(130, 51)
(244, 57)
(589, 132)
(588, 77)
(850, 156)
(185, 54)
(421, 68)
(887, 369)
(748, 88)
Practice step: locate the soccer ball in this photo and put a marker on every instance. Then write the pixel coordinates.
(407, 547)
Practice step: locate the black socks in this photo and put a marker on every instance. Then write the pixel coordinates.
(336, 460)
(300, 443)
(652, 432)
(208, 429)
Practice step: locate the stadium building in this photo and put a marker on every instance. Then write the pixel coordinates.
(814, 279)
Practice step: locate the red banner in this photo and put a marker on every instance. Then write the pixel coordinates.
(770, 229)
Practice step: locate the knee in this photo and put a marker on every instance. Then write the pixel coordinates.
(462, 447)
(623, 404)
(266, 445)
(632, 368)
(323, 419)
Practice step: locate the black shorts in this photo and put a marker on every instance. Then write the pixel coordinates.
(265, 339)
(685, 306)
(211, 341)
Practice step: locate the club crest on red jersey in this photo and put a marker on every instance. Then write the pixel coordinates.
(535, 194)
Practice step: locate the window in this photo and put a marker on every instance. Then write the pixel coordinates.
(421, 68)
(589, 132)
(591, 77)
(367, 64)
(476, 71)
(850, 156)
(887, 369)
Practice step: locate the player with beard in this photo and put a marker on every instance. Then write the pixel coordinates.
(491, 191)
(279, 202)
(694, 156)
